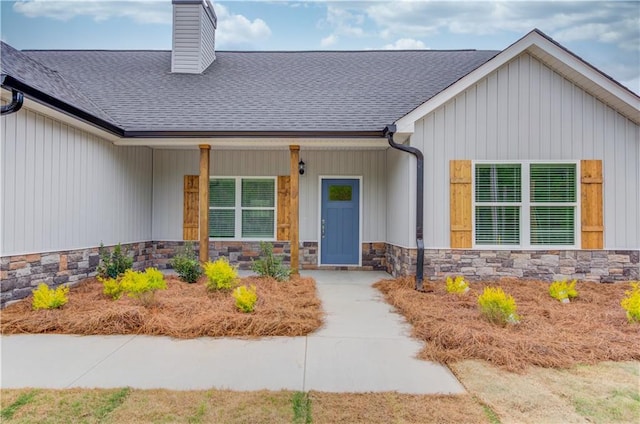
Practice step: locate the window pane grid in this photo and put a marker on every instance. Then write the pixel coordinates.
(525, 204)
(497, 225)
(242, 208)
(498, 183)
(552, 225)
(553, 183)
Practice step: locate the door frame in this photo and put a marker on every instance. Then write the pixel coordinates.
(319, 223)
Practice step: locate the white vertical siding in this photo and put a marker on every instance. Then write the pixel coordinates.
(171, 165)
(63, 188)
(522, 111)
(400, 223)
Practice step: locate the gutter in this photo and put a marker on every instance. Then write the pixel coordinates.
(388, 132)
(16, 103)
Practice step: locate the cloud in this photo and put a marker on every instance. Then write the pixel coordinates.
(236, 30)
(144, 11)
(329, 40)
(406, 44)
(612, 22)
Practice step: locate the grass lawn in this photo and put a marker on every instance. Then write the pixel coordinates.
(603, 393)
(290, 308)
(216, 406)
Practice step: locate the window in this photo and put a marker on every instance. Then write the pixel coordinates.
(525, 204)
(242, 208)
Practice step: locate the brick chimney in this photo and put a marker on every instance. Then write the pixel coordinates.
(194, 36)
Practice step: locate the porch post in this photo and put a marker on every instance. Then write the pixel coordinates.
(293, 220)
(203, 184)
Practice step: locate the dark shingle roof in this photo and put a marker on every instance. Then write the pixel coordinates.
(33, 73)
(261, 91)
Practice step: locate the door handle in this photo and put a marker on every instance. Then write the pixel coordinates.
(322, 228)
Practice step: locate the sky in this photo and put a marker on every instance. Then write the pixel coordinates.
(605, 34)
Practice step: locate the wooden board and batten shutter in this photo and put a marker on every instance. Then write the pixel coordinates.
(460, 203)
(284, 206)
(591, 204)
(190, 213)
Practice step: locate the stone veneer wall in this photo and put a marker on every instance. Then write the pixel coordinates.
(605, 266)
(20, 274)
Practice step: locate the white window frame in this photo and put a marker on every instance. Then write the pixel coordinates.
(238, 208)
(525, 205)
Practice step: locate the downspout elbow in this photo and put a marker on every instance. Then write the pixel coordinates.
(388, 132)
(17, 98)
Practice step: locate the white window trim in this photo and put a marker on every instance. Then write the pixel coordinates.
(238, 208)
(525, 207)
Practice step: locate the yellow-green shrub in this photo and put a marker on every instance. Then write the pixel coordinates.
(220, 274)
(561, 290)
(631, 303)
(498, 307)
(46, 298)
(143, 285)
(246, 298)
(458, 285)
(112, 287)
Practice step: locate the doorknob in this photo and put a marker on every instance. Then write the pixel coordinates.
(322, 228)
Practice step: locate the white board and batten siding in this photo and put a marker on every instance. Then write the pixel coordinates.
(171, 165)
(526, 111)
(63, 188)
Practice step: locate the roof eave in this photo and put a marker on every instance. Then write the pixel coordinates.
(257, 134)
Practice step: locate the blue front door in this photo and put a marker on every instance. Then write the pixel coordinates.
(340, 222)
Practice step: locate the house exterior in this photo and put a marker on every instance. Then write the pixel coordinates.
(531, 159)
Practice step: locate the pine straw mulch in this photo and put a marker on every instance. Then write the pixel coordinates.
(591, 329)
(184, 310)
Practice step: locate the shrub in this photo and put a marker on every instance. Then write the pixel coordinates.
(457, 286)
(186, 264)
(270, 265)
(498, 307)
(112, 287)
(46, 298)
(562, 291)
(143, 285)
(246, 298)
(220, 274)
(631, 303)
(113, 264)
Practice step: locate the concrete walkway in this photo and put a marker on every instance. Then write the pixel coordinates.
(363, 347)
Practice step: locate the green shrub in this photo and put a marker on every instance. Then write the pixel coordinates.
(46, 298)
(270, 265)
(186, 264)
(113, 264)
(457, 286)
(143, 285)
(246, 298)
(220, 274)
(498, 307)
(631, 303)
(562, 291)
